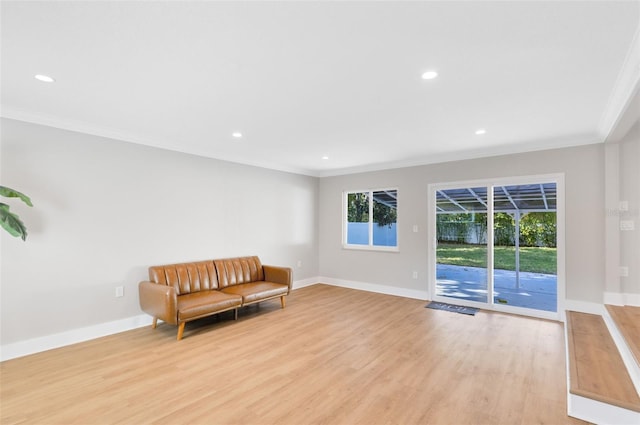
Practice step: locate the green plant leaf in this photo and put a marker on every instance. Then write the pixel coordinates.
(12, 223)
(11, 193)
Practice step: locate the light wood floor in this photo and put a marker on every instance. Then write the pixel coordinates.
(333, 356)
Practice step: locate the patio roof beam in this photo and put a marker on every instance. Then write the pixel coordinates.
(544, 197)
(453, 201)
(510, 198)
(525, 211)
(475, 195)
(387, 203)
(386, 198)
(512, 211)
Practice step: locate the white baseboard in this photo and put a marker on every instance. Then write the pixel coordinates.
(621, 298)
(380, 289)
(632, 299)
(584, 307)
(73, 336)
(305, 282)
(613, 298)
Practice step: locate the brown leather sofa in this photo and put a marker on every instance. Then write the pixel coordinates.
(179, 293)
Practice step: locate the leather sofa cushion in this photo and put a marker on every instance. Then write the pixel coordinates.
(235, 271)
(204, 303)
(256, 291)
(186, 278)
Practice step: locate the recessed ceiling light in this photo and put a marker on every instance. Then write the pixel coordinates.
(237, 135)
(480, 131)
(325, 157)
(44, 78)
(429, 75)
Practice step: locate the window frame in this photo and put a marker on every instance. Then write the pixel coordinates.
(345, 223)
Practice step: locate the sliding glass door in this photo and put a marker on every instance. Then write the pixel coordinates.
(525, 245)
(461, 254)
(495, 245)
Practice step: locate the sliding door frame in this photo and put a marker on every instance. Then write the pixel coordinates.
(558, 179)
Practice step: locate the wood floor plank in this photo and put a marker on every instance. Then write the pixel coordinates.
(332, 356)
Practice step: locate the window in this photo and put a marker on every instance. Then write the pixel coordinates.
(370, 219)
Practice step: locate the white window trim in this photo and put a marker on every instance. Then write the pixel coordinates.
(369, 247)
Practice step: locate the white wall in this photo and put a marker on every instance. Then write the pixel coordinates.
(105, 210)
(630, 191)
(584, 187)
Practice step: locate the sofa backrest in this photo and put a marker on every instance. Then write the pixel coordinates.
(234, 271)
(186, 278)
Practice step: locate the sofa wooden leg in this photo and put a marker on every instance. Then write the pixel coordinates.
(155, 323)
(283, 301)
(235, 314)
(181, 330)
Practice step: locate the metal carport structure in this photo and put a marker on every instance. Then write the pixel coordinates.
(511, 199)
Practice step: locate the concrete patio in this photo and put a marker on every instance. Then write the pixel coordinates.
(536, 290)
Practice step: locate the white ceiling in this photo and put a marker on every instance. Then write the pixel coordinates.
(302, 80)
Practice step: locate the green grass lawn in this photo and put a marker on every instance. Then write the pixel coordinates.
(532, 259)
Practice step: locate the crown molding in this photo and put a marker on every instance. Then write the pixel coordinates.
(19, 114)
(623, 96)
(530, 146)
(110, 133)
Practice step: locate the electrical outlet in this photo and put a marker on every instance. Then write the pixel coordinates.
(299, 263)
(415, 228)
(624, 271)
(623, 206)
(119, 291)
(415, 275)
(626, 225)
